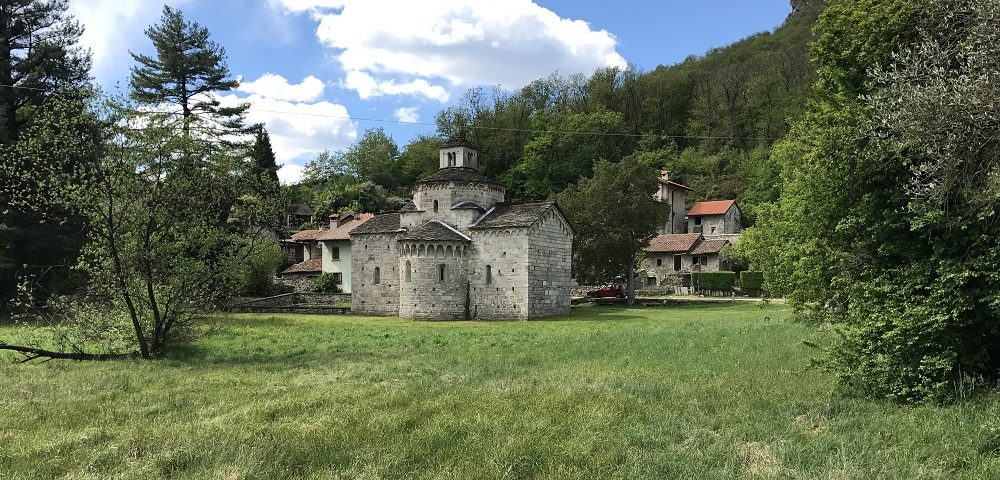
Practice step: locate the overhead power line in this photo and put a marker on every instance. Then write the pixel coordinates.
(473, 127)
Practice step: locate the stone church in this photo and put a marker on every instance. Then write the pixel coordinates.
(458, 251)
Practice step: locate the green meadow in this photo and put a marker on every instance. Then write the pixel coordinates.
(692, 391)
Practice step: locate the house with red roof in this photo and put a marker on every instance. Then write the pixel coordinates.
(336, 247)
(715, 219)
(322, 250)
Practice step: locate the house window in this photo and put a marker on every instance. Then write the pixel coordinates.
(435, 205)
(407, 271)
(704, 260)
(694, 260)
(659, 262)
(335, 253)
(338, 278)
(441, 272)
(377, 280)
(677, 263)
(697, 220)
(317, 251)
(489, 274)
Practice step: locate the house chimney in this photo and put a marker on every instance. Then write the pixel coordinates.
(334, 221)
(664, 175)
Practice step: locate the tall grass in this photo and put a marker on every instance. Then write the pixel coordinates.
(710, 391)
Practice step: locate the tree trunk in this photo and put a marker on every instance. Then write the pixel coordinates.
(630, 282)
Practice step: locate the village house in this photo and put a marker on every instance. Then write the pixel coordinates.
(671, 256)
(715, 219)
(298, 214)
(336, 247)
(675, 195)
(711, 225)
(458, 251)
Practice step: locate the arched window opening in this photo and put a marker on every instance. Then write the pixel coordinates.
(407, 271)
(489, 274)
(377, 276)
(435, 206)
(441, 272)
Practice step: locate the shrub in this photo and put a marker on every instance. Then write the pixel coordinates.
(325, 283)
(714, 281)
(752, 283)
(257, 278)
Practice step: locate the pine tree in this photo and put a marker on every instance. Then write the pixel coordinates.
(185, 73)
(38, 55)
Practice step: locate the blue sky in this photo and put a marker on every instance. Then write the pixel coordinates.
(308, 64)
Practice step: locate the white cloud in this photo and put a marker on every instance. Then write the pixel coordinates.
(406, 114)
(277, 87)
(368, 87)
(111, 28)
(290, 173)
(398, 47)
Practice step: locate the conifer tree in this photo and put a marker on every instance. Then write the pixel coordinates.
(264, 161)
(38, 55)
(186, 71)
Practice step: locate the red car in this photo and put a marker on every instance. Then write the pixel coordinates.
(608, 291)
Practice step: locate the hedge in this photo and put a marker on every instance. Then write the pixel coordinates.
(752, 283)
(714, 281)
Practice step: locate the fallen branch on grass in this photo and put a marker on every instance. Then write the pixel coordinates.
(32, 353)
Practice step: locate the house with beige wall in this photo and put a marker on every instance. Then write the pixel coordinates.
(336, 247)
(675, 196)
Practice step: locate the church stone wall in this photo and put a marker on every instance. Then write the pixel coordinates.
(549, 267)
(503, 294)
(369, 252)
(424, 294)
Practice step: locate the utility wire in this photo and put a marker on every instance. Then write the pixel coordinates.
(473, 127)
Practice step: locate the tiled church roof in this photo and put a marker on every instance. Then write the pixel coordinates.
(506, 215)
(385, 223)
(458, 174)
(436, 231)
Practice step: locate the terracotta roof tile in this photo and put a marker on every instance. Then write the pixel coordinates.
(343, 232)
(714, 207)
(307, 235)
(309, 266)
(673, 243)
(708, 247)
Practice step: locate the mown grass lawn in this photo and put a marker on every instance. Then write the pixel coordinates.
(699, 391)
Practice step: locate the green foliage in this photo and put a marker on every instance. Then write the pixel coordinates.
(614, 218)
(257, 276)
(325, 283)
(714, 281)
(886, 223)
(40, 54)
(752, 283)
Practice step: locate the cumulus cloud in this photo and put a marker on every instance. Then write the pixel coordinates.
(368, 87)
(277, 87)
(406, 114)
(300, 126)
(425, 46)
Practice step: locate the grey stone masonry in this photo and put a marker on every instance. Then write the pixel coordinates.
(375, 266)
(457, 251)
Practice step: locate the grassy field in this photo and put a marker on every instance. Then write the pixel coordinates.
(699, 391)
